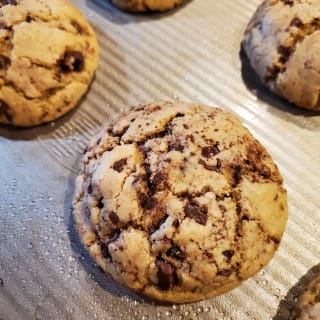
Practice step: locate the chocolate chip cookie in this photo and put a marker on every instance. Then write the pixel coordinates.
(282, 41)
(145, 5)
(308, 305)
(48, 56)
(179, 201)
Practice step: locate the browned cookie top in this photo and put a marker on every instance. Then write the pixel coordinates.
(179, 201)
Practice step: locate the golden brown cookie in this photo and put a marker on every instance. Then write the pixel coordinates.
(146, 5)
(282, 42)
(179, 202)
(48, 56)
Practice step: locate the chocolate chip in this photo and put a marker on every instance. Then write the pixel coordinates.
(210, 151)
(176, 223)
(158, 179)
(104, 251)
(113, 218)
(1, 282)
(4, 62)
(98, 140)
(210, 167)
(72, 60)
(272, 73)
(288, 2)
(224, 273)
(185, 126)
(29, 19)
(194, 211)
(245, 218)
(176, 252)
(100, 203)
(176, 146)
(228, 253)
(165, 274)
(296, 22)
(237, 175)
(285, 53)
(147, 202)
(119, 165)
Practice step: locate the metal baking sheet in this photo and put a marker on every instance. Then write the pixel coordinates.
(193, 54)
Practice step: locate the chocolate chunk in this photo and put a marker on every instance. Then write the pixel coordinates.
(285, 53)
(1, 282)
(272, 73)
(176, 252)
(296, 22)
(104, 251)
(224, 273)
(228, 253)
(209, 167)
(113, 218)
(245, 218)
(165, 274)
(119, 165)
(288, 2)
(100, 203)
(210, 151)
(29, 19)
(194, 211)
(176, 146)
(158, 179)
(176, 223)
(72, 61)
(147, 202)
(4, 62)
(237, 175)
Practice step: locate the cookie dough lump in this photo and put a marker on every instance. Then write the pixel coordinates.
(179, 202)
(146, 5)
(48, 56)
(282, 41)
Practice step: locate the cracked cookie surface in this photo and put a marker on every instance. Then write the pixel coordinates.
(146, 5)
(179, 202)
(48, 56)
(308, 305)
(282, 41)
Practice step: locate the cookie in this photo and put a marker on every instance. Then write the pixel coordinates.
(282, 42)
(308, 305)
(179, 201)
(48, 56)
(145, 5)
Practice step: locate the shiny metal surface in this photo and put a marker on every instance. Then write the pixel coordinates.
(192, 54)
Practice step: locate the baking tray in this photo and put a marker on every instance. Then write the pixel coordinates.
(192, 53)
